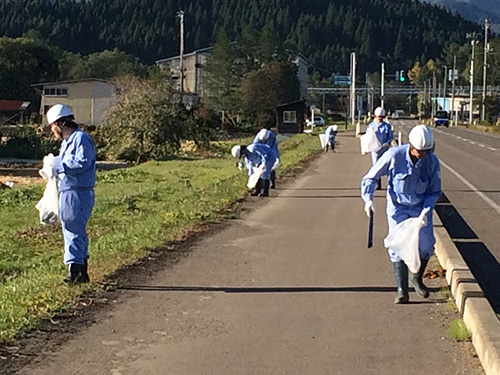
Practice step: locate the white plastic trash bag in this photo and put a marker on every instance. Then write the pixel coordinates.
(254, 177)
(403, 240)
(48, 206)
(369, 142)
(322, 139)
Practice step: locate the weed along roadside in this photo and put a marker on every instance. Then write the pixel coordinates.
(137, 209)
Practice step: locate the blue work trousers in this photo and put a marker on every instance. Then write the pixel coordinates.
(75, 210)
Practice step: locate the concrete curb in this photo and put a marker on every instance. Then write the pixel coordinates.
(477, 313)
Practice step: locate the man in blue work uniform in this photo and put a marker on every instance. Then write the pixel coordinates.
(255, 155)
(267, 137)
(76, 174)
(330, 134)
(414, 184)
(384, 133)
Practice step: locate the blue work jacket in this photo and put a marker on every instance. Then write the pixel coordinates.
(77, 170)
(258, 153)
(271, 141)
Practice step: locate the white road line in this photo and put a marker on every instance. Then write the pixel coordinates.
(472, 142)
(492, 204)
(492, 148)
(481, 145)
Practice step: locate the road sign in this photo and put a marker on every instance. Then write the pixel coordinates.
(342, 80)
(452, 74)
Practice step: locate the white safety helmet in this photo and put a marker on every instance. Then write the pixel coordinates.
(236, 151)
(263, 135)
(334, 128)
(58, 111)
(421, 137)
(379, 111)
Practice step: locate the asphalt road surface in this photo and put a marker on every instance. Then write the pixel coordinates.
(288, 288)
(470, 208)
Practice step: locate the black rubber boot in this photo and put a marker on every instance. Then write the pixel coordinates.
(326, 148)
(379, 184)
(257, 188)
(265, 188)
(417, 282)
(76, 274)
(401, 276)
(85, 274)
(273, 180)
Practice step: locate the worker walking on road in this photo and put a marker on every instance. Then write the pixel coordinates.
(257, 155)
(76, 173)
(414, 184)
(385, 135)
(330, 135)
(267, 137)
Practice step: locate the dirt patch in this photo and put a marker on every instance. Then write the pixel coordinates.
(20, 180)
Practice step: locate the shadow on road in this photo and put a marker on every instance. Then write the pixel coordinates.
(306, 289)
(481, 262)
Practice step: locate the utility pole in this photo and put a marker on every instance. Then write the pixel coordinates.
(485, 64)
(471, 80)
(434, 88)
(453, 91)
(353, 87)
(382, 75)
(180, 14)
(444, 83)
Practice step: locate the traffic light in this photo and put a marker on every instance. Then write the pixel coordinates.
(402, 76)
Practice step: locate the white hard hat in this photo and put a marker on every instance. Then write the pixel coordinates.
(263, 135)
(58, 111)
(334, 128)
(236, 152)
(379, 111)
(421, 137)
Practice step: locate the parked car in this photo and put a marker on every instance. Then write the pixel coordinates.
(319, 121)
(441, 118)
(398, 113)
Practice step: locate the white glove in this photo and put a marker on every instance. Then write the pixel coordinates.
(369, 207)
(423, 217)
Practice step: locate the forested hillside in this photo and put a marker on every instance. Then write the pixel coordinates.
(397, 32)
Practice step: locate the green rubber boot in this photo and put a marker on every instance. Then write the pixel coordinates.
(416, 279)
(401, 276)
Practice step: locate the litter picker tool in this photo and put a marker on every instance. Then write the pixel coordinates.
(370, 231)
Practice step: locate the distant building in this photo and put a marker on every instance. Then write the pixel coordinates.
(290, 117)
(193, 66)
(88, 98)
(193, 70)
(12, 111)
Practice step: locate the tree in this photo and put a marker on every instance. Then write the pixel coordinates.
(221, 79)
(23, 62)
(105, 65)
(148, 121)
(264, 89)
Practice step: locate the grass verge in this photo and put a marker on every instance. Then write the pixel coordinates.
(137, 209)
(458, 331)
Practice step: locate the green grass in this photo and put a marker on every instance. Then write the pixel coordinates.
(458, 331)
(136, 209)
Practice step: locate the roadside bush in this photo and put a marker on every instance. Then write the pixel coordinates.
(149, 121)
(29, 142)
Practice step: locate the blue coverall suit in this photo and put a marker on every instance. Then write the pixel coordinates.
(270, 141)
(330, 135)
(258, 153)
(385, 136)
(76, 175)
(411, 188)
